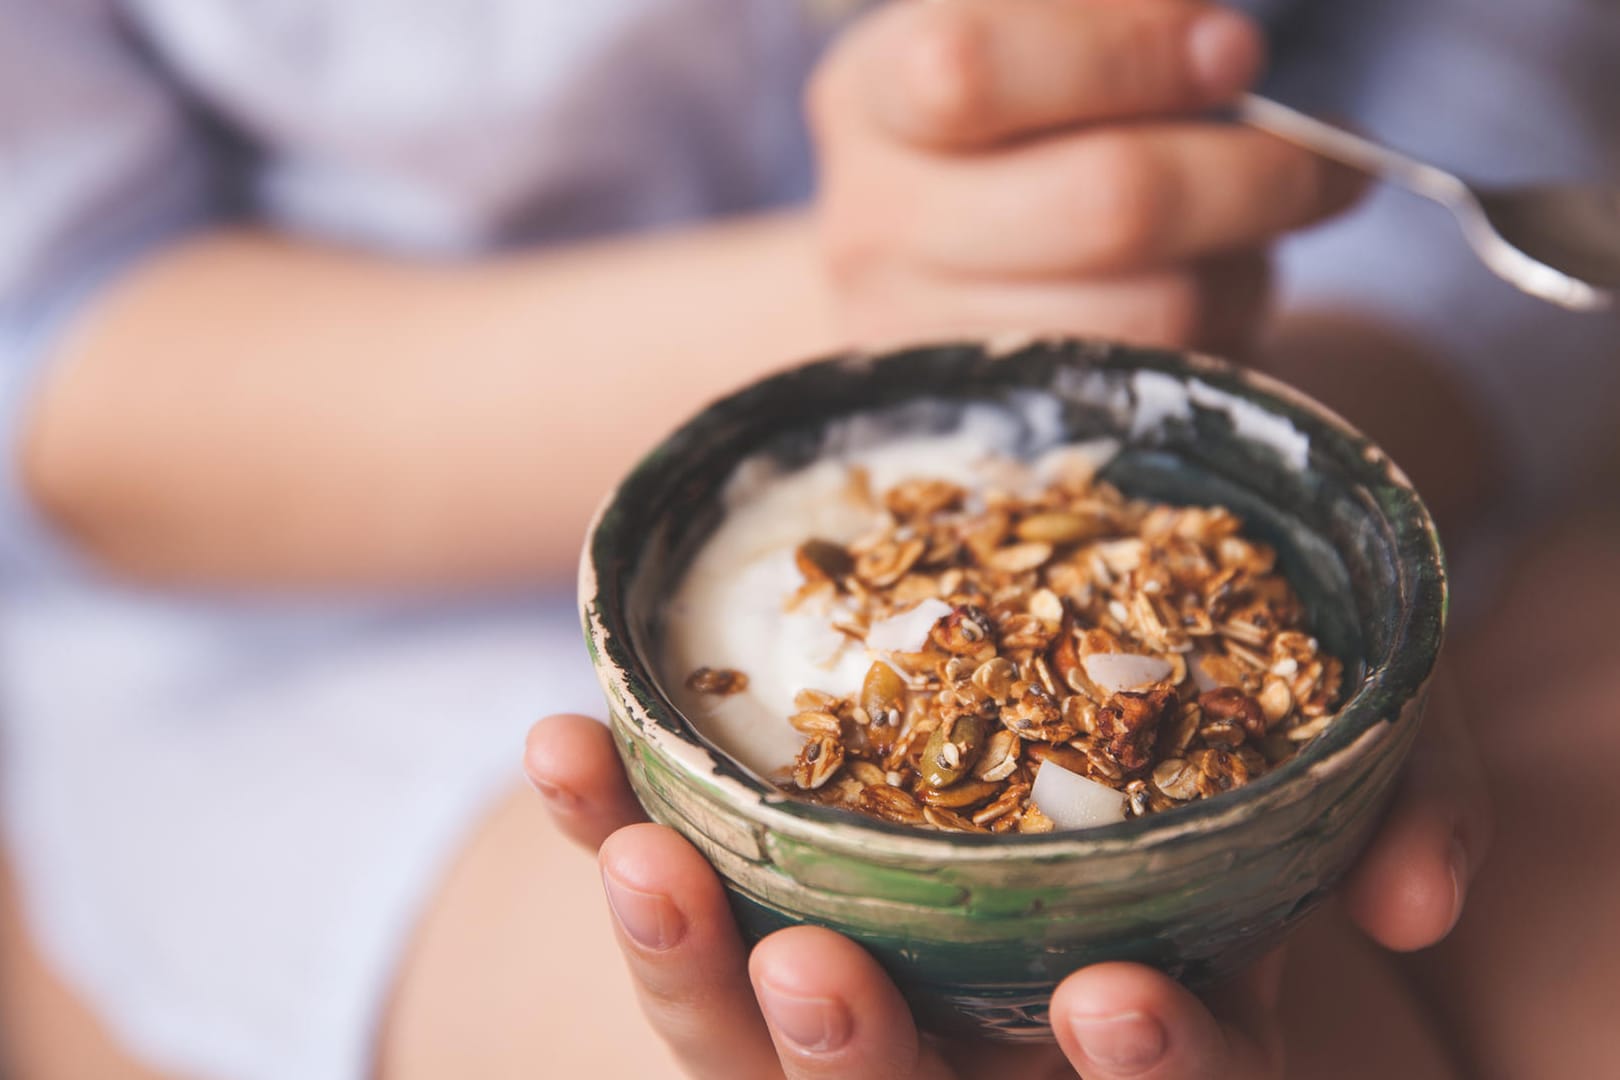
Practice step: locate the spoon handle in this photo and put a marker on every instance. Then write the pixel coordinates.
(1350, 149)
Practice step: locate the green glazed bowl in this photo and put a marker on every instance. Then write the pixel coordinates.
(977, 930)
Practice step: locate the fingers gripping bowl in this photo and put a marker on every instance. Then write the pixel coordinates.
(978, 929)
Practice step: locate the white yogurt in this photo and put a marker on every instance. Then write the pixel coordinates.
(730, 608)
(729, 611)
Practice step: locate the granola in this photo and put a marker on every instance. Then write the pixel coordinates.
(1150, 649)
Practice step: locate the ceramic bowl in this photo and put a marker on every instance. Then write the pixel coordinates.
(978, 929)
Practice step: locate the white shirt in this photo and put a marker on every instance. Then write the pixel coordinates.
(225, 811)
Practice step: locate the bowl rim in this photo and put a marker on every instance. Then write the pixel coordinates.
(1364, 720)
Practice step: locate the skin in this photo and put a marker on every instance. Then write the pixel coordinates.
(959, 193)
(424, 394)
(808, 1003)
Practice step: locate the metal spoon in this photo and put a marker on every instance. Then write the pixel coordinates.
(1560, 243)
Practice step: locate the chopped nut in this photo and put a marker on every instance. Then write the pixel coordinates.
(1063, 755)
(1033, 821)
(719, 681)
(1121, 556)
(1066, 664)
(964, 630)
(1046, 606)
(887, 563)
(1204, 675)
(822, 560)
(815, 700)
(941, 818)
(1129, 722)
(891, 804)
(1080, 713)
(1032, 713)
(1020, 558)
(1177, 779)
(1227, 734)
(1276, 700)
(816, 723)
(865, 772)
(922, 498)
(1218, 771)
(996, 677)
(821, 757)
(1026, 633)
(1307, 731)
(1228, 704)
(965, 793)
(1059, 527)
(1000, 756)
(1011, 798)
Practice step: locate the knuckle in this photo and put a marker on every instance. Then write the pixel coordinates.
(1298, 187)
(1126, 201)
(852, 248)
(1149, 68)
(863, 223)
(1301, 187)
(946, 71)
(847, 262)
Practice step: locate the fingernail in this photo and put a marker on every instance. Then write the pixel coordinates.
(1224, 50)
(559, 797)
(1130, 1042)
(649, 919)
(814, 1025)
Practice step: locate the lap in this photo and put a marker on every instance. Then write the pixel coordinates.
(46, 1032)
(513, 962)
(512, 968)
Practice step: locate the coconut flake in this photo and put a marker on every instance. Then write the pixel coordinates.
(907, 631)
(1074, 802)
(1113, 672)
(1202, 678)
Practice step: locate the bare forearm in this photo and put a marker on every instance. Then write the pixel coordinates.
(249, 409)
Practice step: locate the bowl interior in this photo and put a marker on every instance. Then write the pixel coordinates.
(1351, 534)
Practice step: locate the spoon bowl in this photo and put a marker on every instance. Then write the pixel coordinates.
(1574, 230)
(1558, 242)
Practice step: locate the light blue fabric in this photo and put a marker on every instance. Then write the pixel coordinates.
(99, 161)
(226, 811)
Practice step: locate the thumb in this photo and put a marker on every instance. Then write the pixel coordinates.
(1118, 1021)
